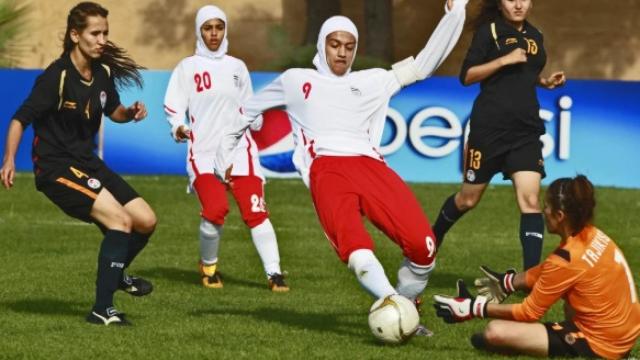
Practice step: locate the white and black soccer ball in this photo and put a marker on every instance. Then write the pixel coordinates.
(393, 319)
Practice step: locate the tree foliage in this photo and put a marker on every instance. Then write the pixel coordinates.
(12, 21)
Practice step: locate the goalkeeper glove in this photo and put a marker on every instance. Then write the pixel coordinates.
(462, 307)
(496, 287)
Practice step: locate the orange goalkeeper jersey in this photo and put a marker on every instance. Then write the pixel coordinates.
(589, 272)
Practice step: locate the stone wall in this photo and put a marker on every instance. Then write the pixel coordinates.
(585, 38)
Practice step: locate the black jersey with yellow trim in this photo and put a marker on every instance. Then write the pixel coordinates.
(66, 112)
(508, 98)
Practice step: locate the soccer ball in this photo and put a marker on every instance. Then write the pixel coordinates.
(393, 319)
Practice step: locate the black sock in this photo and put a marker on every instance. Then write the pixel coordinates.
(111, 258)
(448, 216)
(531, 235)
(137, 242)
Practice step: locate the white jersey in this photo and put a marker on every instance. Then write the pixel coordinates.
(210, 93)
(340, 116)
(330, 116)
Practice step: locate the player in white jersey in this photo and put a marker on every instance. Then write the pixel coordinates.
(210, 86)
(338, 117)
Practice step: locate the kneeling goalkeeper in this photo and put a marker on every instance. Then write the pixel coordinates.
(587, 270)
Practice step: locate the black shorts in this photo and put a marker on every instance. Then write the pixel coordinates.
(489, 151)
(566, 340)
(74, 189)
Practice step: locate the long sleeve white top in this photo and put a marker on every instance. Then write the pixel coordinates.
(210, 92)
(340, 116)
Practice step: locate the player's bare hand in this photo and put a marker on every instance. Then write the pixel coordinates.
(7, 174)
(517, 56)
(449, 4)
(228, 180)
(556, 79)
(183, 133)
(137, 111)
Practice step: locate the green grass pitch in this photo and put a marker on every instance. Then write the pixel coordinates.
(48, 264)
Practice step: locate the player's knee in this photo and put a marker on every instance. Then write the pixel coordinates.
(496, 333)
(254, 220)
(422, 250)
(146, 223)
(468, 201)
(120, 221)
(215, 213)
(529, 203)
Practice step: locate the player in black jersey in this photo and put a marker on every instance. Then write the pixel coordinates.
(507, 57)
(65, 107)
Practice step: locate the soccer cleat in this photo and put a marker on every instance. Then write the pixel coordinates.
(108, 317)
(422, 330)
(135, 286)
(210, 276)
(277, 284)
(418, 303)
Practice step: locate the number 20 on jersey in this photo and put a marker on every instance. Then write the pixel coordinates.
(203, 81)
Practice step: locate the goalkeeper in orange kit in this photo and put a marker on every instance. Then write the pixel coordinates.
(587, 270)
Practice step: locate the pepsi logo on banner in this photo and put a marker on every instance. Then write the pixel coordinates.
(275, 143)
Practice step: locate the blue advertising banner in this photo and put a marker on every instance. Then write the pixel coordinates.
(591, 129)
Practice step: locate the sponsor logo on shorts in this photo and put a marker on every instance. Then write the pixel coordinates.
(510, 41)
(117, 265)
(540, 162)
(69, 105)
(94, 183)
(103, 98)
(471, 175)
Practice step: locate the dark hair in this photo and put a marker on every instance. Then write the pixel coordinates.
(574, 196)
(485, 12)
(124, 69)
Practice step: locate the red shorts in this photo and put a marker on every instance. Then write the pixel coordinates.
(346, 188)
(248, 192)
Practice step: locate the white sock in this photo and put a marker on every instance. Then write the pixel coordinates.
(264, 239)
(209, 241)
(370, 273)
(413, 278)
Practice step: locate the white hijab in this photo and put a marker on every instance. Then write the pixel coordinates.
(332, 24)
(205, 14)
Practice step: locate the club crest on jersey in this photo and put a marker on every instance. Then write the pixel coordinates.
(103, 98)
(94, 183)
(355, 91)
(471, 175)
(570, 338)
(236, 80)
